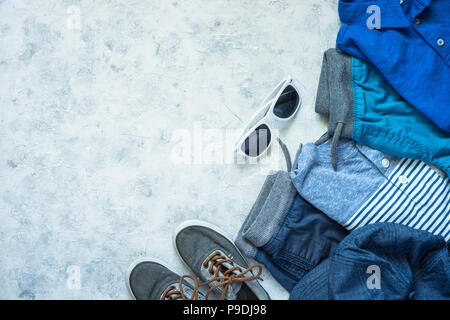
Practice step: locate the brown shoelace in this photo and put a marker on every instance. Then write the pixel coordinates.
(230, 275)
(172, 294)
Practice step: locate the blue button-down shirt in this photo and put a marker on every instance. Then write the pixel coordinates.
(411, 49)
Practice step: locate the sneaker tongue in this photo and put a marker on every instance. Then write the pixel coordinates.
(234, 288)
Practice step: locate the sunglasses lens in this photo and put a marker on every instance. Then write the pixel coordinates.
(257, 142)
(287, 103)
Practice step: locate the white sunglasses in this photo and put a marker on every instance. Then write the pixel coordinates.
(276, 111)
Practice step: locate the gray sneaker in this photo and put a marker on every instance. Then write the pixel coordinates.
(149, 279)
(214, 258)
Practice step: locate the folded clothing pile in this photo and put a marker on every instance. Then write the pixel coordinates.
(365, 212)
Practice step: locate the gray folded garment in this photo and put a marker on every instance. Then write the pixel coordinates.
(335, 98)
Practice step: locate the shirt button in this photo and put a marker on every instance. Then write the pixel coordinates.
(403, 179)
(385, 163)
(417, 21)
(401, 1)
(440, 42)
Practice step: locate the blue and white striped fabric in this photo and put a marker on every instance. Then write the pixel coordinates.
(372, 187)
(415, 195)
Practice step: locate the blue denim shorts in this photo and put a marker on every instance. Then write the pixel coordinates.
(285, 233)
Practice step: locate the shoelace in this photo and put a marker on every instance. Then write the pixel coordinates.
(172, 293)
(229, 276)
(216, 260)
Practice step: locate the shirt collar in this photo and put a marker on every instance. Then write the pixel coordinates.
(416, 7)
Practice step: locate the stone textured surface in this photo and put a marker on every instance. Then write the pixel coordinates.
(89, 108)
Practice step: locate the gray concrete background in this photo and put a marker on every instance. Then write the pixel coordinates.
(91, 95)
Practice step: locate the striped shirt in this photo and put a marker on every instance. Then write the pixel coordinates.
(372, 187)
(415, 195)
